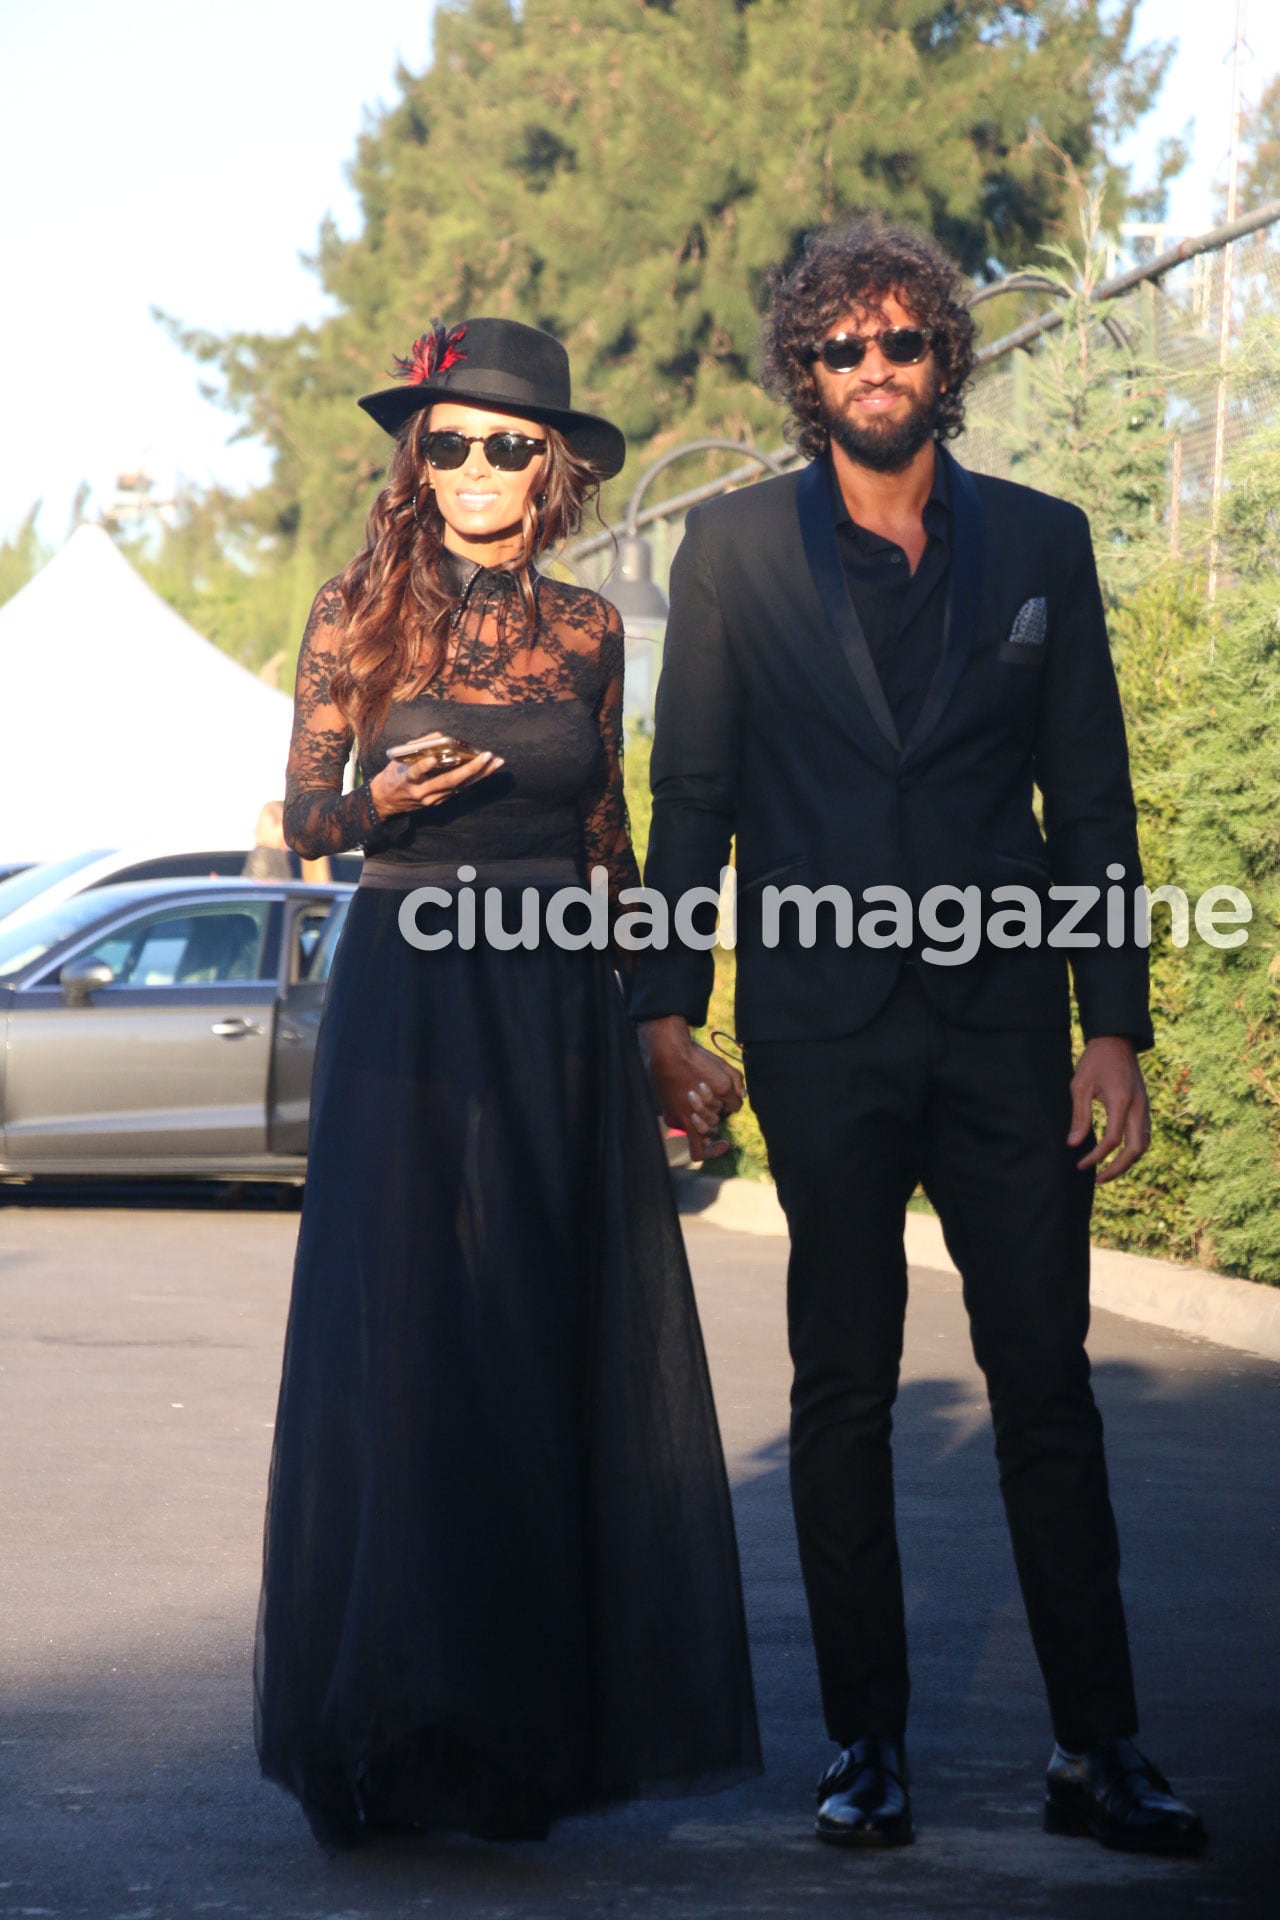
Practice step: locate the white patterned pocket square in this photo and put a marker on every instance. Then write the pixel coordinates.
(1031, 624)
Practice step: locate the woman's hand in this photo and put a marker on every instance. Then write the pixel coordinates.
(401, 789)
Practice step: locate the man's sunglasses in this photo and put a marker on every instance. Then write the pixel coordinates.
(505, 452)
(901, 347)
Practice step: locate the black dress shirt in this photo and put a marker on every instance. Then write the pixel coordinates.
(903, 614)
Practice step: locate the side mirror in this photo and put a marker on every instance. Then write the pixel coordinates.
(79, 979)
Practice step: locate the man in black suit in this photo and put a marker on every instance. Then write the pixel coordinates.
(868, 667)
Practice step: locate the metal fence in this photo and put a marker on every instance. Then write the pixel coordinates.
(1176, 322)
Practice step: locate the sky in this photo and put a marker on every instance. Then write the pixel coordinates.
(182, 154)
(178, 154)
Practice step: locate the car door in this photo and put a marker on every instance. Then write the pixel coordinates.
(310, 946)
(169, 1062)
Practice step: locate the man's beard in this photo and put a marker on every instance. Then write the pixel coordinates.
(883, 444)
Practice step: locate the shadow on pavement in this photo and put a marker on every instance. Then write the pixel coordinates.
(128, 1784)
(199, 1196)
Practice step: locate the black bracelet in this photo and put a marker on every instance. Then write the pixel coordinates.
(372, 804)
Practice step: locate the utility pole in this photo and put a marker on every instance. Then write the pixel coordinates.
(1224, 325)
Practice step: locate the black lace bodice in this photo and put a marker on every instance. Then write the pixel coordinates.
(550, 705)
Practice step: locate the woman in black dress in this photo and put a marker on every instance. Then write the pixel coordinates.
(501, 1581)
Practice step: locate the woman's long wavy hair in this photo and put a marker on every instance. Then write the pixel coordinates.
(855, 265)
(396, 604)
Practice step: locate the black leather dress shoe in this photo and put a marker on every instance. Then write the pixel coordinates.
(862, 1796)
(1113, 1793)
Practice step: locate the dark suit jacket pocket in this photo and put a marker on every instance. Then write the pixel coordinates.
(1020, 653)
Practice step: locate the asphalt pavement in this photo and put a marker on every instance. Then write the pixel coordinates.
(139, 1355)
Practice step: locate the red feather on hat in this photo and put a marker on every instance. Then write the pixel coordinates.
(431, 354)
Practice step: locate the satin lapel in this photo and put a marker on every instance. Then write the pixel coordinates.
(816, 511)
(964, 599)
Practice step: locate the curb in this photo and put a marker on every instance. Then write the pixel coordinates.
(1243, 1314)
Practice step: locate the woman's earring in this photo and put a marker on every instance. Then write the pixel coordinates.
(540, 499)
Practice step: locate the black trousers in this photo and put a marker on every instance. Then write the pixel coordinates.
(852, 1125)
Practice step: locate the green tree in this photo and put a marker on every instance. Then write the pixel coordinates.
(1259, 177)
(22, 555)
(1202, 701)
(1230, 835)
(624, 174)
(1159, 635)
(1093, 427)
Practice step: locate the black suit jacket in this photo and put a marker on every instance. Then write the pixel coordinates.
(772, 724)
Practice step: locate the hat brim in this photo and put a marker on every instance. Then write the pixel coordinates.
(593, 439)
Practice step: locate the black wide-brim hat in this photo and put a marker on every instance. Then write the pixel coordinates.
(506, 367)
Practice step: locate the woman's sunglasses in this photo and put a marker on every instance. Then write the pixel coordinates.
(505, 452)
(901, 347)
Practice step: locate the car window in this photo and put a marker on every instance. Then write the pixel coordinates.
(113, 949)
(183, 947)
(308, 927)
(322, 960)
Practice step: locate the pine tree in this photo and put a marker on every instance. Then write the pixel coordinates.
(22, 555)
(624, 174)
(1093, 428)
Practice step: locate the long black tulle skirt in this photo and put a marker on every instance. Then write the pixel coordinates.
(501, 1579)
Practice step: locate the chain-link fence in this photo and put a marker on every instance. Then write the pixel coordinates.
(1174, 325)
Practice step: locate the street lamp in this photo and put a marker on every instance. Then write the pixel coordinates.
(632, 588)
(643, 606)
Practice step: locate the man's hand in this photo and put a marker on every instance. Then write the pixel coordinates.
(1108, 1072)
(693, 1088)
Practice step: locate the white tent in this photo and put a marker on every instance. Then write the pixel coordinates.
(121, 725)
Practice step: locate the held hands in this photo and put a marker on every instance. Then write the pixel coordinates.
(1108, 1072)
(694, 1090)
(401, 789)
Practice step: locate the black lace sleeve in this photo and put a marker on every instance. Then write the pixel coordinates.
(319, 818)
(606, 830)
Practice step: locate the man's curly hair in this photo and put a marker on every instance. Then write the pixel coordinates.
(854, 265)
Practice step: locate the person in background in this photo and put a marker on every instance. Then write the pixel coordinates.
(268, 858)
